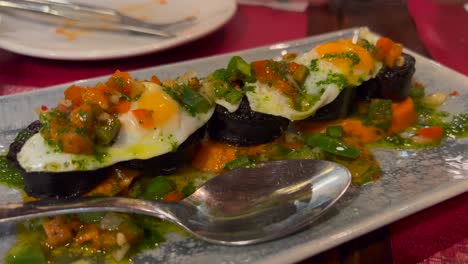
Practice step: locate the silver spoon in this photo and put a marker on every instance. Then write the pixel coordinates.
(241, 207)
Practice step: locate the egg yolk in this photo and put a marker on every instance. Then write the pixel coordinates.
(352, 60)
(161, 106)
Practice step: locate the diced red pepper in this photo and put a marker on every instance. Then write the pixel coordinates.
(121, 107)
(97, 96)
(434, 132)
(454, 93)
(74, 94)
(120, 81)
(293, 67)
(173, 196)
(155, 80)
(144, 117)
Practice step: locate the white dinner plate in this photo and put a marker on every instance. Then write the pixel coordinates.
(28, 37)
(411, 179)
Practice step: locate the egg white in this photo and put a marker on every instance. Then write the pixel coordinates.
(132, 142)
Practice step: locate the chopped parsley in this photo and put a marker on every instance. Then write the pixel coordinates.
(81, 164)
(349, 55)
(313, 66)
(379, 114)
(335, 78)
(367, 45)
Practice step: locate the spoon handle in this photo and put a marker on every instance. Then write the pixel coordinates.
(23, 211)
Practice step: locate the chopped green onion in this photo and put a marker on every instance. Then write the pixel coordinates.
(191, 100)
(240, 162)
(188, 189)
(234, 96)
(335, 131)
(159, 187)
(228, 93)
(237, 63)
(331, 145)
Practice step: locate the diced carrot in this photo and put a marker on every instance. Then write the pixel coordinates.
(121, 107)
(118, 181)
(74, 94)
(433, 133)
(144, 117)
(173, 196)
(383, 46)
(88, 233)
(393, 55)
(404, 115)
(213, 156)
(82, 116)
(355, 128)
(77, 144)
(97, 96)
(155, 80)
(58, 231)
(454, 93)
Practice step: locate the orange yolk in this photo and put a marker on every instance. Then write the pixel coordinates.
(343, 54)
(160, 104)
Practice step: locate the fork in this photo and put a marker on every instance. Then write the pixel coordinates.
(100, 18)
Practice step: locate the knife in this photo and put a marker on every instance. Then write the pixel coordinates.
(89, 17)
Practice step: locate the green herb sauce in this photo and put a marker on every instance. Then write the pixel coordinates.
(9, 175)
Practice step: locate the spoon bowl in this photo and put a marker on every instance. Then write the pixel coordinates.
(241, 207)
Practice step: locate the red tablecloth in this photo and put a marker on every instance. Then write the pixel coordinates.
(414, 238)
(443, 29)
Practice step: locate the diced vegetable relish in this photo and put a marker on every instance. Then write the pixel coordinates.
(87, 116)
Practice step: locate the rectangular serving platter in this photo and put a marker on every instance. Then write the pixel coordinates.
(412, 179)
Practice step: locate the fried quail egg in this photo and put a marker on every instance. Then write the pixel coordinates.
(172, 126)
(333, 66)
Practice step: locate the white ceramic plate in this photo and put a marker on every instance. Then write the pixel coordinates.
(42, 40)
(412, 179)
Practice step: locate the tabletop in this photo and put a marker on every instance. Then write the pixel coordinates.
(423, 26)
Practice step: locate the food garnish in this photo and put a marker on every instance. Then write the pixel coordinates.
(161, 139)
